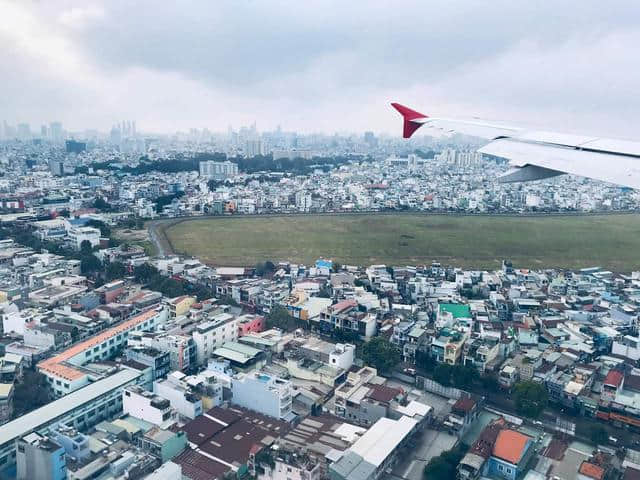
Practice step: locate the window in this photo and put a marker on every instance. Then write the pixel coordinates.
(128, 394)
(508, 470)
(501, 467)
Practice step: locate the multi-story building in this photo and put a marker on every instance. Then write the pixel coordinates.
(180, 305)
(274, 394)
(64, 372)
(181, 348)
(40, 457)
(290, 465)
(213, 333)
(147, 406)
(180, 395)
(81, 409)
(160, 362)
(374, 451)
(345, 315)
(218, 170)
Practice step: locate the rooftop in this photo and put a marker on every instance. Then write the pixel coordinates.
(41, 416)
(510, 446)
(55, 366)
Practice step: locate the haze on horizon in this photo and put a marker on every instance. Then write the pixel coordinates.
(320, 65)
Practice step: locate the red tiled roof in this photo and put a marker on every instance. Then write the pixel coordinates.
(464, 404)
(614, 377)
(592, 471)
(510, 446)
(55, 365)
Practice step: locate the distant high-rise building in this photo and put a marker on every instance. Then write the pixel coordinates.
(116, 135)
(75, 147)
(43, 132)
(24, 131)
(370, 139)
(56, 167)
(55, 131)
(253, 147)
(218, 170)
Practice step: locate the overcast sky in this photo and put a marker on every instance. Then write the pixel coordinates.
(327, 66)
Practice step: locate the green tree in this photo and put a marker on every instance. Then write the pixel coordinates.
(444, 465)
(464, 376)
(279, 317)
(30, 393)
(424, 361)
(85, 247)
(442, 374)
(90, 264)
(105, 230)
(531, 398)
(145, 273)
(116, 270)
(381, 353)
(101, 204)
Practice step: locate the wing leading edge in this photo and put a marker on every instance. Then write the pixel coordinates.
(536, 154)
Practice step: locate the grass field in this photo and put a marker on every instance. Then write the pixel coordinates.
(610, 241)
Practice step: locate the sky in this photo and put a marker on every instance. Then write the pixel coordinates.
(320, 66)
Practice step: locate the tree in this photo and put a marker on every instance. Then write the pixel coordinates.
(464, 376)
(145, 273)
(336, 267)
(85, 247)
(32, 392)
(531, 398)
(380, 353)
(116, 270)
(442, 374)
(101, 204)
(90, 264)
(279, 318)
(444, 465)
(105, 230)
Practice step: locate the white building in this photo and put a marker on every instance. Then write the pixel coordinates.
(218, 170)
(81, 234)
(263, 393)
(213, 334)
(627, 346)
(371, 454)
(147, 406)
(253, 147)
(177, 390)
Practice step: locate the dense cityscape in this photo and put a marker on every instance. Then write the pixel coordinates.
(121, 360)
(280, 240)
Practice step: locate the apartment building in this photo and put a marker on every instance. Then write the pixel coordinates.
(64, 371)
(263, 393)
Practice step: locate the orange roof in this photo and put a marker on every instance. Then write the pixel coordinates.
(592, 471)
(510, 445)
(54, 365)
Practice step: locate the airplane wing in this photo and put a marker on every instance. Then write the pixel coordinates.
(538, 154)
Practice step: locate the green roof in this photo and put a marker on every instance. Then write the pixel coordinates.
(456, 309)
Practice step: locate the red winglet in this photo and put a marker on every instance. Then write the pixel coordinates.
(409, 115)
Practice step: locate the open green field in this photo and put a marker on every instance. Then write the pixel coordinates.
(610, 241)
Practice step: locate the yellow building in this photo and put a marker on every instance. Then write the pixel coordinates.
(180, 305)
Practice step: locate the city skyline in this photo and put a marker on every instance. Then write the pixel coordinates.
(88, 66)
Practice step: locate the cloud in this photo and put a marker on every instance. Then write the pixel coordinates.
(81, 17)
(321, 65)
